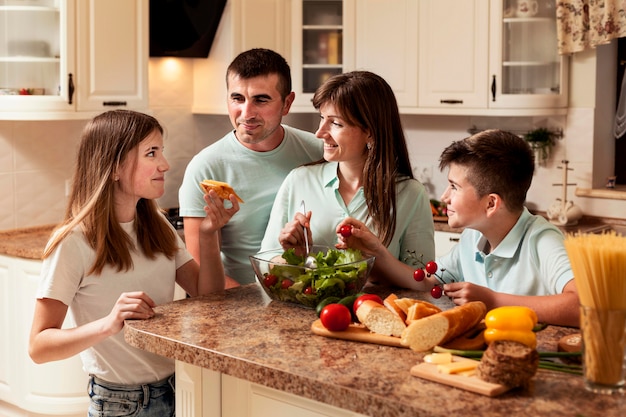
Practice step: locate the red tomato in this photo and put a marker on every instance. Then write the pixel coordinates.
(286, 283)
(345, 230)
(270, 280)
(309, 290)
(359, 301)
(336, 317)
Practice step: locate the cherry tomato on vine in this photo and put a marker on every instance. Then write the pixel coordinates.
(436, 291)
(345, 230)
(431, 267)
(336, 317)
(419, 275)
(270, 280)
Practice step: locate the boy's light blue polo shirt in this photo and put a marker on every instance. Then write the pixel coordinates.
(531, 260)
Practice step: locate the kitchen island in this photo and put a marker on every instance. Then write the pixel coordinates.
(243, 339)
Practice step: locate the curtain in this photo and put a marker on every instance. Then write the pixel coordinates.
(585, 24)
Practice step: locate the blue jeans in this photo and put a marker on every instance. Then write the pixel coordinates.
(114, 400)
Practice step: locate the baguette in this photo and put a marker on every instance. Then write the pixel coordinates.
(390, 303)
(424, 334)
(419, 310)
(379, 319)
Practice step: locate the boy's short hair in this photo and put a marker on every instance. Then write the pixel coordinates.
(497, 162)
(260, 62)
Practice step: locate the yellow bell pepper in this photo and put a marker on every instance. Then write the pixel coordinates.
(523, 336)
(511, 323)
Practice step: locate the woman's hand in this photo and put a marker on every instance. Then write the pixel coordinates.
(129, 305)
(217, 215)
(360, 237)
(292, 234)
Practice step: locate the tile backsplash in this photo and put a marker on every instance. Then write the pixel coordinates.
(36, 158)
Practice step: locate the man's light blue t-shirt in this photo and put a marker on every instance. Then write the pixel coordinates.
(255, 177)
(318, 186)
(531, 260)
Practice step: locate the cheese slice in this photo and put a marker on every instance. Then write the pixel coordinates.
(457, 367)
(438, 358)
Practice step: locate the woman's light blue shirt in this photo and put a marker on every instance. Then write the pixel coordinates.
(318, 186)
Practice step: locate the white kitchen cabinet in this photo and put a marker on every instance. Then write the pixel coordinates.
(453, 54)
(477, 57)
(52, 389)
(71, 59)
(387, 44)
(322, 45)
(245, 24)
(526, 70)
(204, 393)
(444, 242)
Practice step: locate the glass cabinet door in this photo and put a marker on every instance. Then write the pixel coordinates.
(321, 39)
(33, 61)
(321, 42)
(527, 70)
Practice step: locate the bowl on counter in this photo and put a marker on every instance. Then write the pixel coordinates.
(338, 273)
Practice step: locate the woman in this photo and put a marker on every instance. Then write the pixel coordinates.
(115, 257)
(365, 182)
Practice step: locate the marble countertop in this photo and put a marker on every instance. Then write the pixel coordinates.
(27, 243)
(240, 332)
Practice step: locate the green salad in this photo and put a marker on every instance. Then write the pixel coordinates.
(332, 277)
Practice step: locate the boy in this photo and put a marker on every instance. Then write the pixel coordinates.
(506, 255)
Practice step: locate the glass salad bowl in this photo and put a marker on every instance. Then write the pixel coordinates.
(339, 273)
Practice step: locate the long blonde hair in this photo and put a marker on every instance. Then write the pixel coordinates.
(108, 141)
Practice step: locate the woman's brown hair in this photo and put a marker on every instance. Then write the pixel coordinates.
(365, 100)
(107, 141)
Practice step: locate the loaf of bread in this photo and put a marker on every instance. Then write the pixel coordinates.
(508, 363)
(379, 319)
(424, 334)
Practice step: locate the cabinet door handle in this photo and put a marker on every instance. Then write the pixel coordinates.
(70, 88)
(113, 103)
(454, 239)
(451, 101)
(493, 88)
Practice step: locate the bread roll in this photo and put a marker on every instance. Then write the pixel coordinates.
(223, 190)
(508, 363)
(424, 334)
(379, 319)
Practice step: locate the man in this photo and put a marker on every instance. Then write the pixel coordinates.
(254, 159)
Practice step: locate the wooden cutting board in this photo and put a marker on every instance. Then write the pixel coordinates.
(356, 332)
(472, 340)
(469, 383)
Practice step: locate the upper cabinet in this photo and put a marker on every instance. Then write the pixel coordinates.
(390, 52)
(453, 54)
(526, 70)
(322, 45)
(446, 57)
(70, 59)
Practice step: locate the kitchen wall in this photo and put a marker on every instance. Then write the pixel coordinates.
(36, 158)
